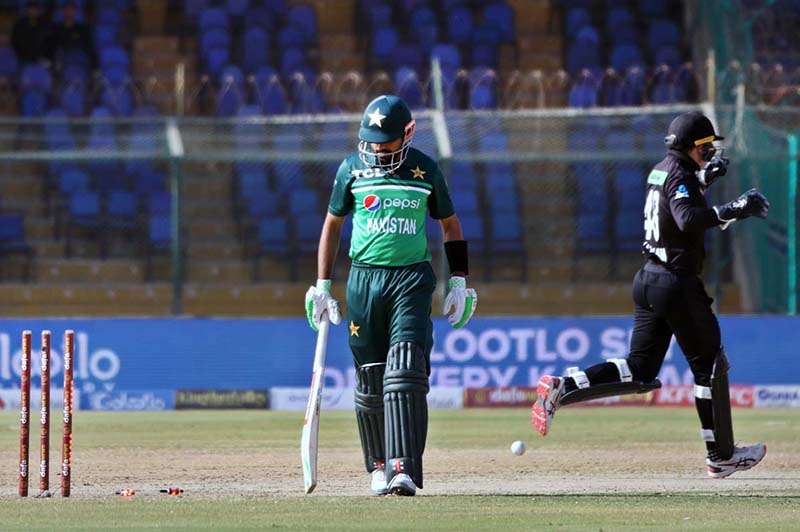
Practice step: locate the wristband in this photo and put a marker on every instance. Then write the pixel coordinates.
(457, 259)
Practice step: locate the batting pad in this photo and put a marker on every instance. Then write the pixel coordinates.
(369, 413)
(405, 386)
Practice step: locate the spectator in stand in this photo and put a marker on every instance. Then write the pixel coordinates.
(31, 34)
(72, 35)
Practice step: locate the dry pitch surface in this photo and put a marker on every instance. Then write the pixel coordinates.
(254, 454)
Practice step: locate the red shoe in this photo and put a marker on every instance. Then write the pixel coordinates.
(548, 394)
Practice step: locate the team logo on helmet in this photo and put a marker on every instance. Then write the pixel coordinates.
(372, 203)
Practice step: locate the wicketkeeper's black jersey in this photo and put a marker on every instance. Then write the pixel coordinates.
(676, 215)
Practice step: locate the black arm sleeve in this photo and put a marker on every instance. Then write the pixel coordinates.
(688, 205)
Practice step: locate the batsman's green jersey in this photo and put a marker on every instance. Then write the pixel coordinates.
(391, 282)
(389, 210)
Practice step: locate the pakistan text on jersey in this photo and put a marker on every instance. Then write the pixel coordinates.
(403, 226)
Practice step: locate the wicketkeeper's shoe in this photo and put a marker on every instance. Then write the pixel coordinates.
(548, 394)
(378, 482)
(743, 459)
(401, 484)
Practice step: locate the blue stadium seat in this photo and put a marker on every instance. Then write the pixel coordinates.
(383, 43)
(484, 55)
(72, 181)
(592, 232)
(506, 234)
(663, 33)
(262, 203)
(272, 239)
(465, 201)
(105, 37)
(668, 55)
(609, 93)
(408, 87)
(122, 209)
(449, 59)
(158, 240)
(624, 56)
(408, 54)
(271, 96)
(575, 20)
(306, 232)
(630, 191)
(145, 184)
(256, 49)
(629, 229)
(193, 8)
(213, 17)
(459, 25)
(501, 17)
(158, 202)
(379, 15)
(84, 213)
(215, 61)
(583, 93)
(303, 201)
(13, 242)
(8, 63)
(582, 55)
(292, 60)
(57, 131)
(662, 89)
(259, 17)
(278, 8)
(483, 88)
(35, 84)
(305, 17)
(114, 57)
(213, 39)
(73, 98)
(588, 35)
(472, 229)
(633, 86)
(237, 8)
(231, 94)
(618, 17)
(651, 9)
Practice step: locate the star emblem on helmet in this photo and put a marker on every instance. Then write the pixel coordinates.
(418, 173)
(376, 118)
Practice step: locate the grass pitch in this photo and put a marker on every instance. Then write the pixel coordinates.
(600, 469)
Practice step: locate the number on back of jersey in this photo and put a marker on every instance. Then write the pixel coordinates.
(651, 229)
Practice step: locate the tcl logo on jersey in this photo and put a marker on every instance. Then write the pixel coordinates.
(368, 172)
(372, 203)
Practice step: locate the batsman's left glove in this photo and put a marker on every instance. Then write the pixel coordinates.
(460, 303)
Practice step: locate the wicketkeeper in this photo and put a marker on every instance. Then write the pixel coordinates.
(390, 188)
(670, 298)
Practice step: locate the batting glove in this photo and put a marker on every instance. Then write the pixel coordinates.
(319, 301)
(460, 303)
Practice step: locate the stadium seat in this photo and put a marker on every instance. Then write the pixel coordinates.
(459, 25)
(292, 60)
(73, 181)
(84, 215)
(662, 89)
(500, 16)
(651, 9)
(624, 56)
(609, 93)
(575, 20)
(303, 202)
(237, 8)
(583, 93)
(483, 88)
(259, 17)
(145, 184)
(158, 202)
(383, 43)
(663, 33)
(306, 232)
(668, 55)
(616, 18)
(278, 8)
(272, 238)
(122, 209)
(8, 63)
(73, 98)
(57, 131)
(304, 17)
(213, 39)
(262, 203)
(506, 234)
(472, 229)
(270, 94)
(231, 95)
(158, 240)
(633, 86)
(628, 229)
(582, 55)
(213, 17)
(35, 86)
(256, 49)
(13, 242)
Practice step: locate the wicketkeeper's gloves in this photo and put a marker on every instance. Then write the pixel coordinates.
(751, 203)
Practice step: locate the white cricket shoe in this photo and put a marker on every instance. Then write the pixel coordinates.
(378, 482)
(743, 459)
(401, 484)
(548, 397)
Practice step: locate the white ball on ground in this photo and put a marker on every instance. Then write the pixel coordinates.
(518, 447)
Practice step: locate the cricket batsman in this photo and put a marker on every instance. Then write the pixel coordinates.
(670, 298)
(390, 187)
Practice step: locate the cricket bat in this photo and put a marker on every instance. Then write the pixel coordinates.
(308, 442)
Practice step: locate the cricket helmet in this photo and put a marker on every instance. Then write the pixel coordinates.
(386, 118)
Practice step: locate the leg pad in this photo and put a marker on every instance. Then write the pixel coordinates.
(369, 414)
(405, 386)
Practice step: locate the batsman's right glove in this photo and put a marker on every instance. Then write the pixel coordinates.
(751, 203)
(319, 301)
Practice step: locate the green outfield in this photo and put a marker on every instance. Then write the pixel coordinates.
(600, 469)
